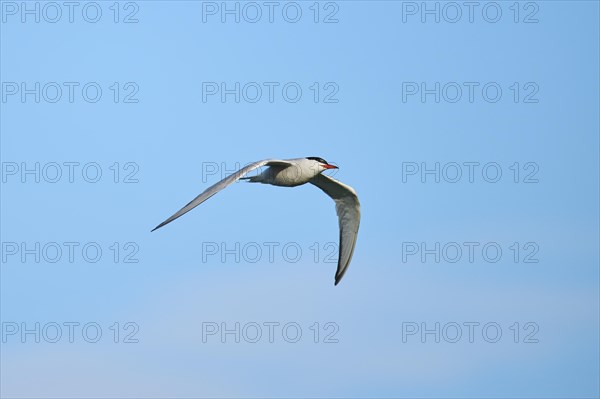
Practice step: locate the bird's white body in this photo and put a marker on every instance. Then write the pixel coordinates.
(299, 171)
(292, 173)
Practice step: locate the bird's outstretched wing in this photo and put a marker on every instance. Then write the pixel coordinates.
(215, 188)
(348, 211)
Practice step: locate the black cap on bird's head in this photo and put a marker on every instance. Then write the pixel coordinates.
(324, 163)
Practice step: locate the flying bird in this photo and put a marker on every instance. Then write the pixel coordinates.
(292, 173)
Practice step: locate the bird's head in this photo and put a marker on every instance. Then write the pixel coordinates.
(321, 164)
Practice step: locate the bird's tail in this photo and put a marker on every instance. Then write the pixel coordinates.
(252, 179)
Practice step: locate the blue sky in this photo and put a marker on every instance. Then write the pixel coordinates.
(158, 137)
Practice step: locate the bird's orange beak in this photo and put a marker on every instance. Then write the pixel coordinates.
(327, 166)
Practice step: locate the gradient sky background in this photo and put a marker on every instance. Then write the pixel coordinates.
(172, 136)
